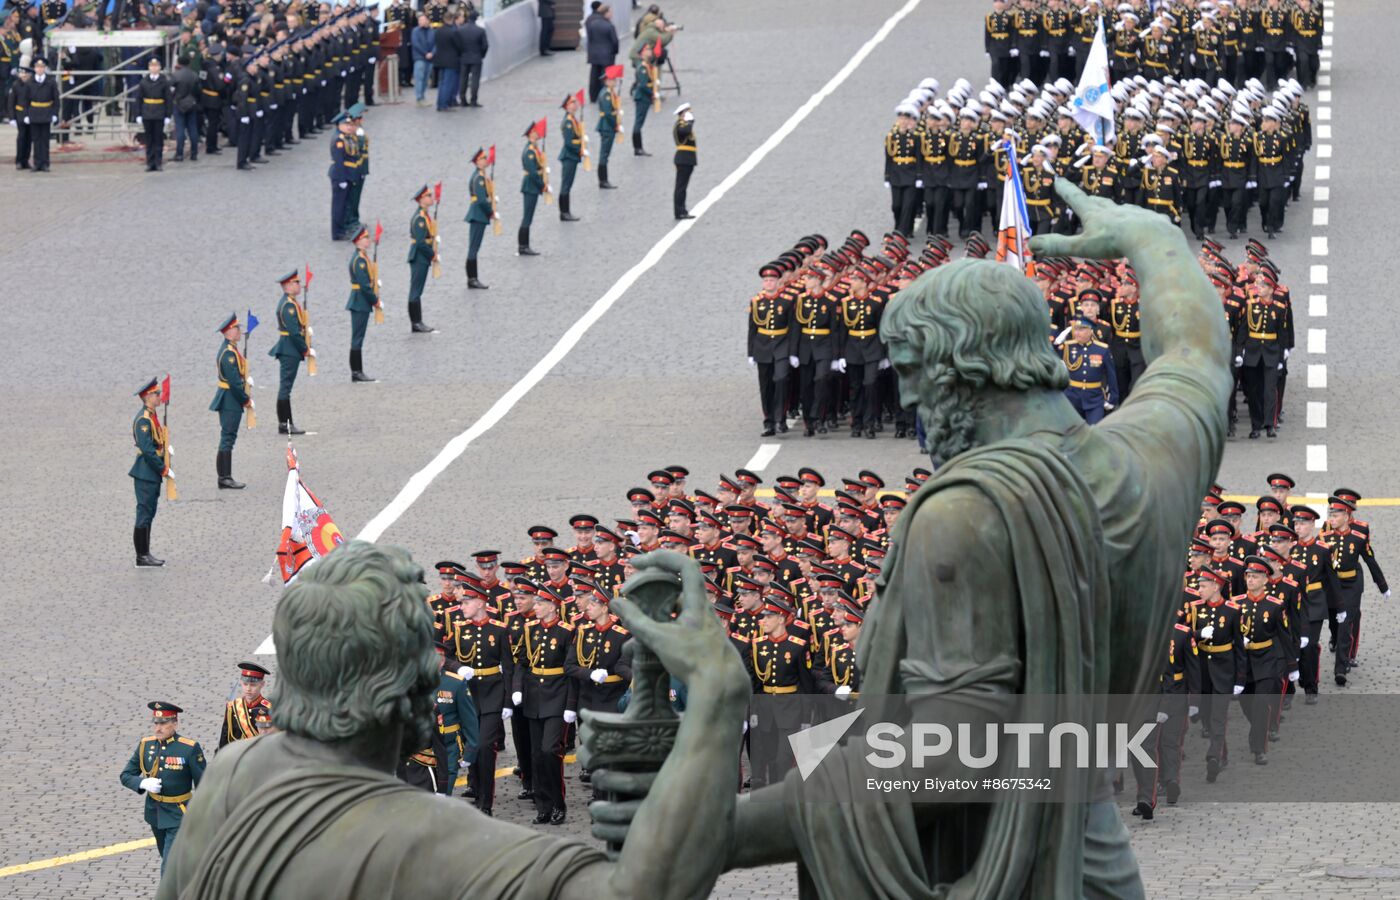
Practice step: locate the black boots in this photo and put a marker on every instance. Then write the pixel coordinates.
(141, 537)
(415, 315)
(603, 179)
(357, 369)
(637, 145)
(472, 281)
(285, 425)
(564, 214)
(224, 463)
(522, 239)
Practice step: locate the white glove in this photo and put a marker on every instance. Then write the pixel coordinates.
(1341, 617)
(515, 698)
(170, 451)
(309, 331)
(379, 283)
(1239, 361)
(752, 362)
(1045, 53)
(1280, 367)
(981, 185)
(259, 114)
(570, 717)
(1192, 711)
(166, 123)
(1071, 52)
(342, 73)
(1193, 59)
(918, 182)
(794, 362)
(1293, 676)
(1385, 594)
(466, 671)
(1303, 642)
(1015, 51)
(598, 676)
(505, 713)
(884, 364)
(1250, 185)
(843, 691)
(1108, 407)
(1162, 717)
(343, 185)
(251, 405)
(274, 106)
(243, 120)
(463, 764)
(169, 473)
(373, 60)
(150, 785)
(548, 170)
(1208, 632)
(1286, 354)
(140, 120)
(1063, 335)
(1214, 184)
(311, 351)
(838, 365)
(26, 121)
(1239, 689)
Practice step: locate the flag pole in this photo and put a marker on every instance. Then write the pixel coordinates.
(171, 492)
(306, 307)
(374, 276)
(248, 382)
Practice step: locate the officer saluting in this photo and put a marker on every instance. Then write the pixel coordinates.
(166, 768)
(293, 345)
(241, 713)
(684, 134)
(230, 399)
(1093, 384)
(152, 466)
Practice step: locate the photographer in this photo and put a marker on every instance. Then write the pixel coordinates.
(652, 28)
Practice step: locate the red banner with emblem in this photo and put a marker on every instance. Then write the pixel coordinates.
(308, 531)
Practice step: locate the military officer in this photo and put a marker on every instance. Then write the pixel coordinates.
(1216, 623)
(818, 315)
(903, 165)
(1307, 29)
(152, 466)
(548, 700)
(1200, 151)
(345, 162)
(1237, 172)
(1125, 316)
(683, 133)
(1265, 633)
(364, 299)
(41, 107)
(770, 346)
(427, 768)
(645, 93)
(573, 148)
(240, 713)
(534, 183)
(157, 106)
(293, 345)
(231, 399)
(358, 141)
(1262, 341)
(456, 718)
(1161, 185)
(1321, 593)
(609, 122)
(1093, 383)
(479, 215)
(1273, 168)
(481, 654)
(166, 768)
(997, 42)
(422, 253)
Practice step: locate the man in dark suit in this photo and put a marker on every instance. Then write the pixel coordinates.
(447, 59)
(546, 26)
(602, 46)
(474, 49)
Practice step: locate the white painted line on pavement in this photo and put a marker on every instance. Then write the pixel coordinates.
(1324, 132)
(763, 457)
(1317, 341)
(1325, 66)
(1317, 375)
(1319, 245)
(1322, 194)
(1324, 96)
(1324, 80)
(1317, 414)
(1324, 151)
(1322, 173)
(1324, 113)
(1327, 40)
(1325, 55)
(1318, 275)
(1317, 306)
(1317, 457)
(1320, 215)
(420, 480)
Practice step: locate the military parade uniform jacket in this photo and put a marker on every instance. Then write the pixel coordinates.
(820, 330)
(291, 329)
(902, 157)
(532, 160)
(179, 764)
(239, 724)
(1320, 588)
(1221, 648)
(683, 133)
(156, 96)
(770, 328)
(422, 232)
(1263, 332)
(150, 439)
(484, 645)
(1267, 637)
(572, 130)
(456, 717)
(481, 208)
(860, 320)
(546, 691)
(363, 290)
(599, 648)
(840, 671)
(233, 379)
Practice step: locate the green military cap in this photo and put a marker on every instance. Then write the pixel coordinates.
(290, 276)
(228, 323)
(420, 192)
(148, 387)
(356, 112)
(338, 118)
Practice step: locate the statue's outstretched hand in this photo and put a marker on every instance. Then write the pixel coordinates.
(1111, 230)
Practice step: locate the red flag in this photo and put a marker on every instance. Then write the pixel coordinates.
(578, 98)
(540, 127)
(491, 156)
(612, 72)
(656, 51)
(437, 192)
(378, 231)
(308, 276)
(165, 390)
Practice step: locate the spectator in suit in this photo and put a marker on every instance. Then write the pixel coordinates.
(475, 46)
(602, 46)
(423, 41)
(546, 26)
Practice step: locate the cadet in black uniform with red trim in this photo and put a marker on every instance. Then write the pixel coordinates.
(549, 701)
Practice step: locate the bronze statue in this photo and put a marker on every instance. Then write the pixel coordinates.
(1043, 557)
(315, 811)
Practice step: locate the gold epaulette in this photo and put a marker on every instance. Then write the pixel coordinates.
(801, 642)
(620, 630)
(189, 742)
(451, 674)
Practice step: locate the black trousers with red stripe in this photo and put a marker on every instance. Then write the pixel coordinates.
(547, 746)
(492, 732)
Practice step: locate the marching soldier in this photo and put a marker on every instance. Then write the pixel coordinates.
(1261, 341)
(1093, 381)
(293, 345)
(534, 183)
(609, 122)
(1099, 177)
(1160, 188)
(443, 604)
(364, 299)
(240, 713)
(481, 654)
(480, 214)
(933, 152)
(1125, 315)
(152, 466)
(166, 768)
(1321, 593)
(1350, 548)
(818, 314)
(683, 132)
(1216, 623)
(574, 147)
(967, 148)
(231, 399)
(770, 347)
(1236, 173)
(1267, 640)
(645, 94)
(997, 42)
(422, 253)
(863, 352)
(1307, 27)
(1199, 152)
(548, 700)
(841, 676)
(595, 661)
(1179, 680)
(456, 719)
(1273, 168)
(777, 665)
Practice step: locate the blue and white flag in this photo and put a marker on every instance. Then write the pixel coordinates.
(1093, 106)
(1013, 230)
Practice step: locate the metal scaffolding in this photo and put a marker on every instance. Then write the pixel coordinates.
(97, 103)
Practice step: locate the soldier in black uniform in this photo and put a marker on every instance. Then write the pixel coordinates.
(902, 167)
(818, 315)
(1273, 40)
(1273, 168)
(1306, 27)
(548, 699)
(967, 148)
(1200, 165)
(155, 105)
(1320, 592)
(1350, 548)
(482, 655)
(777, 664)
(684, 134)
(595, 661)
(864, 353)
(1057, 24)
(1267, 638)
(840, 676)
(1263, 336)
(771, 347)
(1027, 42)
(1237, 172)
(997, 41)
(1179, 680)
(444, 603)
(1125, 316)
(1215, 623)
(40, 111)
(1099, 177)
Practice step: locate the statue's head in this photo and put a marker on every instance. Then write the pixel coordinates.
(355, 647)
(960, 331)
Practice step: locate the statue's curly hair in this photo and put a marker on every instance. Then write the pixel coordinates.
(355, 647)
(976, 324)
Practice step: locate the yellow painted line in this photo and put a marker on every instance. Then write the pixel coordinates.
(84, 856)
(128, 846)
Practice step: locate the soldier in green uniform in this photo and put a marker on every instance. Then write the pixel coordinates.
(644, 95)
(609, 122)
(422, 232)
(456, 718)
(230, 399)
(358, 143)
(364, 297)
(534, 183)
(166, 768)
(479, 215)
(151, 467)
(241, 713)
(573, 148)
(293, 345)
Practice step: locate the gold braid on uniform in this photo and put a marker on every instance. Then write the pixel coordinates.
(763, 674)
(586, 663)
(767, 320)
